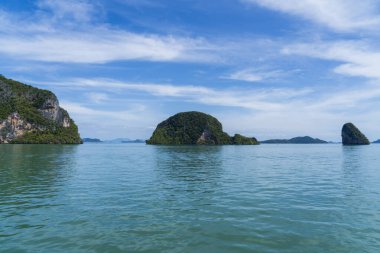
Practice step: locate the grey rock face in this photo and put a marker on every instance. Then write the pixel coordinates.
(50, 109)
(29, 111)
(14, 126)
(351, 135)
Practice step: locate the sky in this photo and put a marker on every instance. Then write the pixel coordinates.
(264, 68)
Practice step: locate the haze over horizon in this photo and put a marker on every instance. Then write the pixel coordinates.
(265, 68)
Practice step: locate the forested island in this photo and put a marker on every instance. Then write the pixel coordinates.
(33, 116)
(195, 128)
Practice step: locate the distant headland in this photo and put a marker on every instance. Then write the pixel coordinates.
(295, 140)
(114, 141)
(91, 140)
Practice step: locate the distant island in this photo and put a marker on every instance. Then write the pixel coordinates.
(296, 140)
(134, 141)
(195, 128)
(91, 140)
(376, 142)
(118, 140)
(33, 116)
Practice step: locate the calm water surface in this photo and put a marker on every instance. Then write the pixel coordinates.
(138, 198)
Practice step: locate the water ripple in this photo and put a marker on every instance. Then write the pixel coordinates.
(138, 198)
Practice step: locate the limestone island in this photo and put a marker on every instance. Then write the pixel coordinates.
(351, 135)
(32, 116)
(195, 128)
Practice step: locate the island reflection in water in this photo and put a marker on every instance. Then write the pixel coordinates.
(140, 198)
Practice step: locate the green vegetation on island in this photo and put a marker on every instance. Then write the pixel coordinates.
(33, 116)
(296, 140)
(91, 140)
(191, 128)
(239, 139)
(351, 135)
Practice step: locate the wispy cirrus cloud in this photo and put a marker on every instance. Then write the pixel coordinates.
(76, 10)
(137, 3)
(247, 75)
(97, 97)
(135, 120)
(339, 15)
(255, 75)
(354, 58)
(255, 99)
(101, 46)
(62, 31)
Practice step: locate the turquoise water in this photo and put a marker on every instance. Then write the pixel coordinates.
(138, 198)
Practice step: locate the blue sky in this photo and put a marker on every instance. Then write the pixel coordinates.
(264, 68)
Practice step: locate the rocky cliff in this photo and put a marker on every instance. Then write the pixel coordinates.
(190, 128)
(351, 135)
(31, 115)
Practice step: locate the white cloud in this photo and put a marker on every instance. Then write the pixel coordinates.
(247, 75)
(101, 46)
(340, 15)
(131, 122)
(80, 109)
(97, 97)
(355, 58)
(139, 3)
(254, 75)
(77, 10)
(66, 34)
(255, 99)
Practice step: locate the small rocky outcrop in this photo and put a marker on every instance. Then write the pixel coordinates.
(351, 135)
(239, 139)
(195, 128)
(31, 115)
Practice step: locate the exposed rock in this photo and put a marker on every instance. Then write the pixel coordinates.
(190, 128)
(351, 135)
(31, 115)
(13, 127)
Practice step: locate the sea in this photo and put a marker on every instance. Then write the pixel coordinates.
(139, 198)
